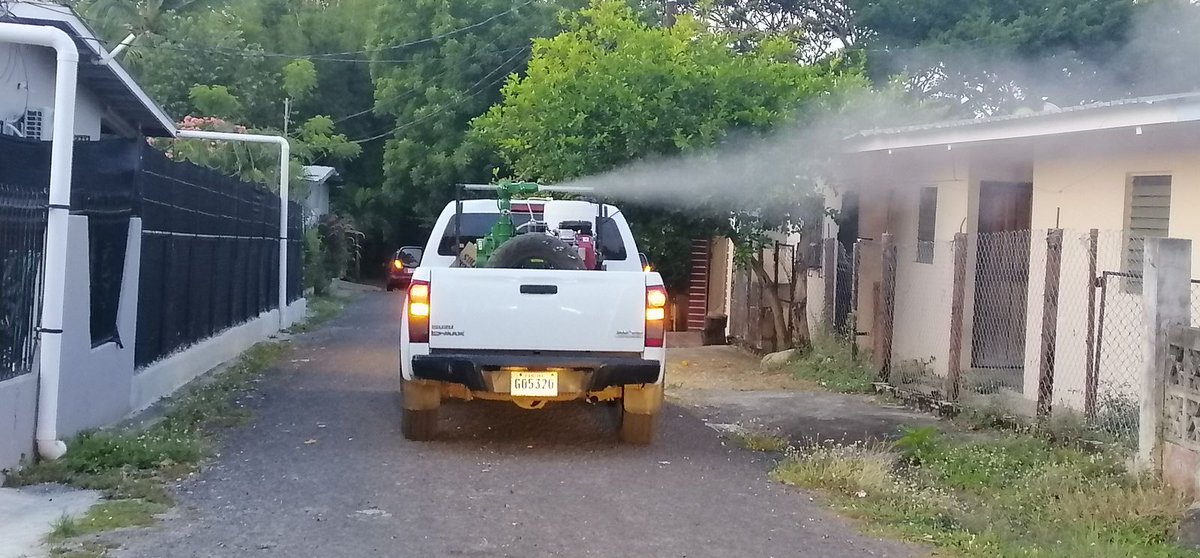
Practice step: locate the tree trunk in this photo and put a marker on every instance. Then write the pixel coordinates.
(781, 330)
(801, 336)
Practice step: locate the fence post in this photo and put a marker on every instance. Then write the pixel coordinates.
(1166, 295)
(954, 370)
(887, 309)
(852, 325)
(1045, 399)
(829, 273)
(1091, 384)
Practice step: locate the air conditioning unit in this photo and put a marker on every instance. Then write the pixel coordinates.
(33, 125)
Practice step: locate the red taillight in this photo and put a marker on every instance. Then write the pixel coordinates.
(397, 265)
(418, 312)
(656, 316)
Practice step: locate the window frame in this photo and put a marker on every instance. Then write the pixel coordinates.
(1134, 272)
(926, 231)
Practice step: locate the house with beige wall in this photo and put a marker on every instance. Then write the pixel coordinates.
(1108, 175)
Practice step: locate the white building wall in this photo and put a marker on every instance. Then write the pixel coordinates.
(1082, 189)
(27, 81)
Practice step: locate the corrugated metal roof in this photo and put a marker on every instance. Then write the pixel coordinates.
(318, 173)
(109, 81)
(1043, 114)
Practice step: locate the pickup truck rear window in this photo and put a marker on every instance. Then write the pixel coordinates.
(475, 226)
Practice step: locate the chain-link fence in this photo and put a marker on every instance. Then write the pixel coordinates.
(22, 237)
(1036, 323)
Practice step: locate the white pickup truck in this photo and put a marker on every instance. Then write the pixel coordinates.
(528, 328)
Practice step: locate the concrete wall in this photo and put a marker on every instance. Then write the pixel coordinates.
(888, 203)
(1076, 190)
(18, 409)
(162, 378)
(316, 204)
(99, 385)
(95, 382)
(30, 84)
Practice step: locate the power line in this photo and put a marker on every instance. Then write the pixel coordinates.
(434, 77)
(344, 56)
(454, 104)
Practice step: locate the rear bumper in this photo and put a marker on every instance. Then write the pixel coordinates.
(468, 368)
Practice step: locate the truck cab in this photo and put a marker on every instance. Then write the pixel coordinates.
(564, 311)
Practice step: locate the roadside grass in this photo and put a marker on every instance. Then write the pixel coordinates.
(86, 549)
(321, 309)
(1009, 495)
(830, 364)
(106, 516)
(135, 464)
(133, 467)
(762, 441)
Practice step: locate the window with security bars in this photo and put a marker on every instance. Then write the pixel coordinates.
(1147, 215)
(926, 222)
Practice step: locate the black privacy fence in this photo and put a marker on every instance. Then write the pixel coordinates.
(209, 246)
(210, 254)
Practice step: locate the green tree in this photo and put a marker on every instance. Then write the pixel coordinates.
(611, 90)
(431, 89)
(988, 56)
(215, 100)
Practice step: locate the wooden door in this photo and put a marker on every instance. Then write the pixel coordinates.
(1001, 275)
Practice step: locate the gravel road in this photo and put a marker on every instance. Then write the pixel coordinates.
(323, 471)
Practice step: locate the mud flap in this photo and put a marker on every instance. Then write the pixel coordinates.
(644, 399)
(421, 395)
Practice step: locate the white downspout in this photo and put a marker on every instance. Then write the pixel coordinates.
(285, 151)
(49, 447)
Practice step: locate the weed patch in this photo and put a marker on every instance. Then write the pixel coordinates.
(321, 309)
(1013, 495)
(107, 516)
(831, 364)
(128, 464)
(762, 441)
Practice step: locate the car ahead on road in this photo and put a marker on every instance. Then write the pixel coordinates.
(400, 267)
(558, 314)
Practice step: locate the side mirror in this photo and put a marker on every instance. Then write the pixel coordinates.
(412, 255)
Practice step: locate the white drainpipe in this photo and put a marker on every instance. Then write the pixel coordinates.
(54, 291)
(285, 151)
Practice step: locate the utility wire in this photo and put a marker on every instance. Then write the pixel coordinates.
(439, 75)
(449, 106)
(343, 56)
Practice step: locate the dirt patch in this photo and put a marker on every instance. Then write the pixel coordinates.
(725, 387)
(723, 368)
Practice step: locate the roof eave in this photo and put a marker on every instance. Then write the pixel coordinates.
(1041, 125)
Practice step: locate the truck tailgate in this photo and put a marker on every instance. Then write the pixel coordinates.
(539, 310)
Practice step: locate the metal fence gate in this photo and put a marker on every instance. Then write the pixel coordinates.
(22, 240)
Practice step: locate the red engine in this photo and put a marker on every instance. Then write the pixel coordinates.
(579, 235)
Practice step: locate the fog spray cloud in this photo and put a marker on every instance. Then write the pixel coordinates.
(1157, 57)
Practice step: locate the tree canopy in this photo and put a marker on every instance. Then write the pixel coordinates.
(611, 90)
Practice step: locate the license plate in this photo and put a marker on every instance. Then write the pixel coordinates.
(533, 384)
